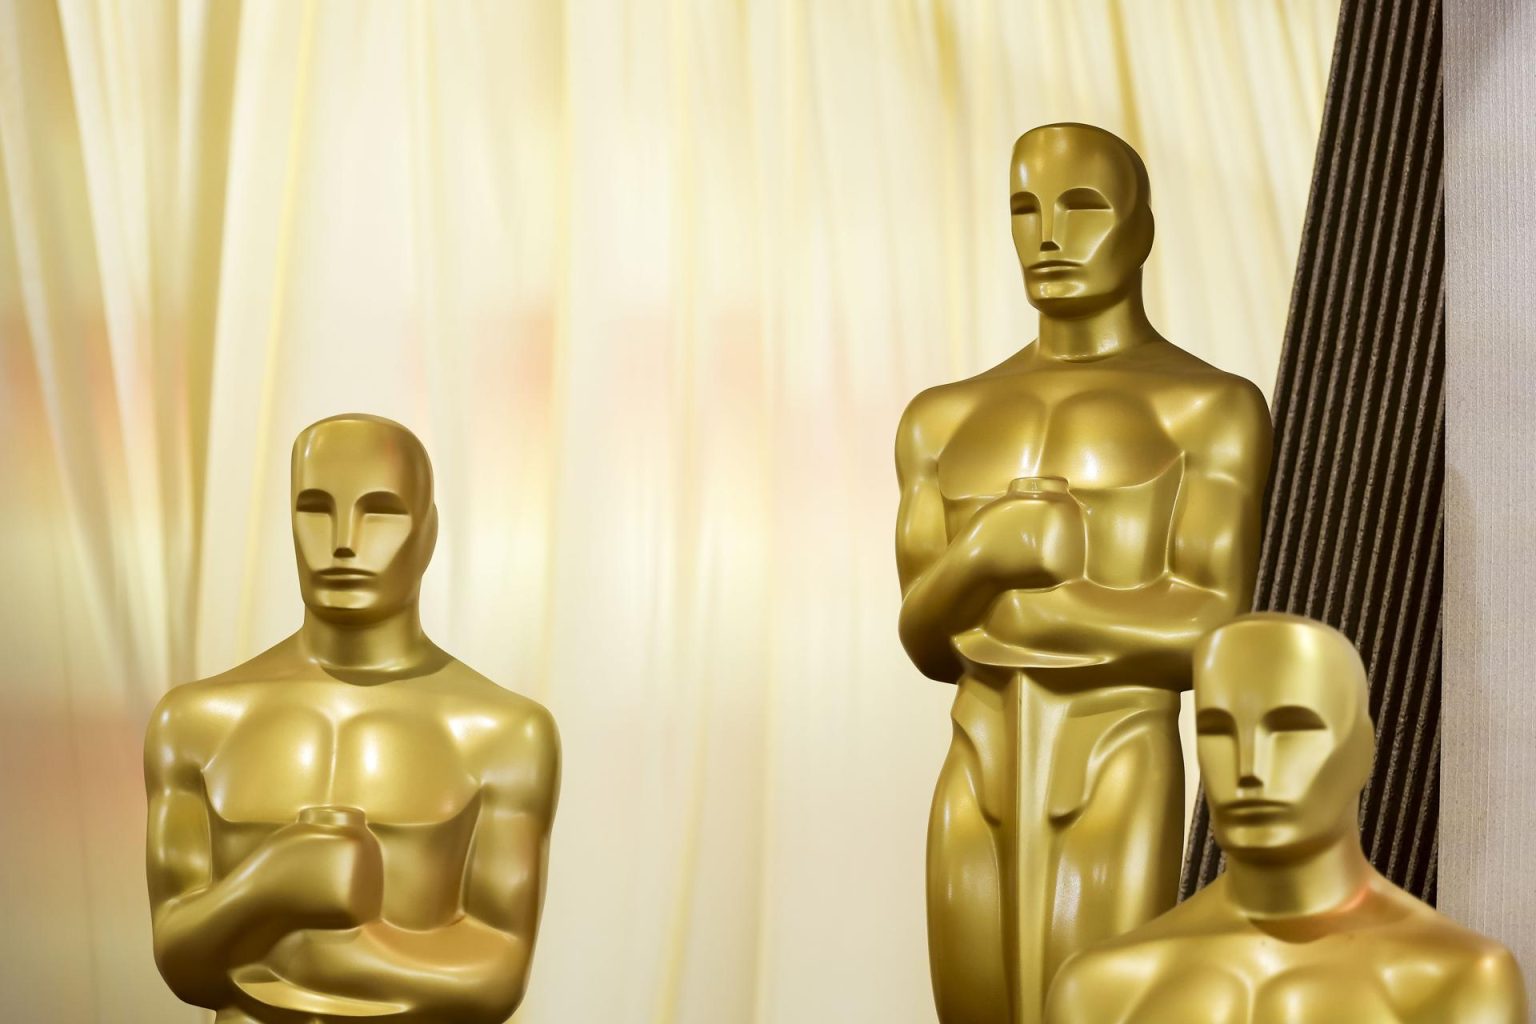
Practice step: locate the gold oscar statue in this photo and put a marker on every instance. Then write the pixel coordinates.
(1072, 521)
(352, 824)
(1300, 927)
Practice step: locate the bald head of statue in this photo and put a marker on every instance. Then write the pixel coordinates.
(364, 521)
(1082, 218)
(1285, 739)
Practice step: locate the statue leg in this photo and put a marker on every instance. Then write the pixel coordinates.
(966, 944)
(1118, 860)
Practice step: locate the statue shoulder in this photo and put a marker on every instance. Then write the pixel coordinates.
(517, 741)
(1490, 985)
(1223, 420)
(931, 419)
(190, 720)
(1101, 985)
(1485, 981)
(214, 704)
(1209, 393)
(1107, 983)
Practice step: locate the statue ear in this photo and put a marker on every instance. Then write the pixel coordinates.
(1363, 741)
(1148, 233)
(429, 537)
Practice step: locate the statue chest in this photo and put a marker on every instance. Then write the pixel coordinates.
(1117, 456)
(400, 767)
(1096, 437)
(1335, 982)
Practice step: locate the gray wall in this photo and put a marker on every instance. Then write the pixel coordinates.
(1488, 756)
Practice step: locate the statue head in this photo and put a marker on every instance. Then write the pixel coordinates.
(364, 523)
(1082, 218)
(1285, 737)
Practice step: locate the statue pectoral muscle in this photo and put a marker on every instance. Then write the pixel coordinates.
(353, 823)
(1071, 522)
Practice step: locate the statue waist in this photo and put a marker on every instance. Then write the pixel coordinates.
(1032, 739)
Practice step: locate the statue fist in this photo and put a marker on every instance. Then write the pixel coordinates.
(326, 868)
(1032, 537)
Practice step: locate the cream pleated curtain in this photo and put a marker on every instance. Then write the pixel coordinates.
(653, 280)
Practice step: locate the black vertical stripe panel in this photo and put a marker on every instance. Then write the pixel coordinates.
(1352, 534)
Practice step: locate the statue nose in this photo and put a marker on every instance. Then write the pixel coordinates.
(345, 552)
(1049, 245)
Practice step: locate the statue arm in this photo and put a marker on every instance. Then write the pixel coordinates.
(476, 968)
(505, 888)
(944, 586)
(1213, 555)
(201, 926)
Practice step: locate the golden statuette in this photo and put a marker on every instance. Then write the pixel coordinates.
(1072, 521)
(1300, 927)
(352, 824)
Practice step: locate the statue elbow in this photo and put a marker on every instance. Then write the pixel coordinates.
(499, 991)
(936, 660)
(188, 975)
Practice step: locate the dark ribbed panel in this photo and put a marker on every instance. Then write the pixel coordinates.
(1353, 530)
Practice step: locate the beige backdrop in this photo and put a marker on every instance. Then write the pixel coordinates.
(653, 281)
(1488, 725)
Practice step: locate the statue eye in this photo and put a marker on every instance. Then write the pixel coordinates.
(1022, 203)
(381, 503)
(1083, 199)
(311, 500)
(1293, 718)
(1215, 722)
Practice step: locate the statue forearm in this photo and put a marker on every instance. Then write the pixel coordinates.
(949, 597)
(467, 970)
(1154, 626)
(302, 877)
(200, 934)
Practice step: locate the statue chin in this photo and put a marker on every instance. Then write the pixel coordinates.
(1066, 299)
(343, 601)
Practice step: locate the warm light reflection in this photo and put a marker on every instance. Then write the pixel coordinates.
(463, 726)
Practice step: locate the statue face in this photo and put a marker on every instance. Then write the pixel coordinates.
(1285, 737)
(363, 520)
(1082, 225)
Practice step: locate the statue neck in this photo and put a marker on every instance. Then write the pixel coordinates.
(1116, 328)
(388, 645)
(1322, 882)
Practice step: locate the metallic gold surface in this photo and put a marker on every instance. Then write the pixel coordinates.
(1071, 522)
(1300, 927)
(352, 823)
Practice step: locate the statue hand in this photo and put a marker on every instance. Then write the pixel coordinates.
(326, 869)
(1032, 537)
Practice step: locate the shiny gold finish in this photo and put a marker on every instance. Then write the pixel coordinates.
(352, 823)
(1300, 927)
(1071, 522)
